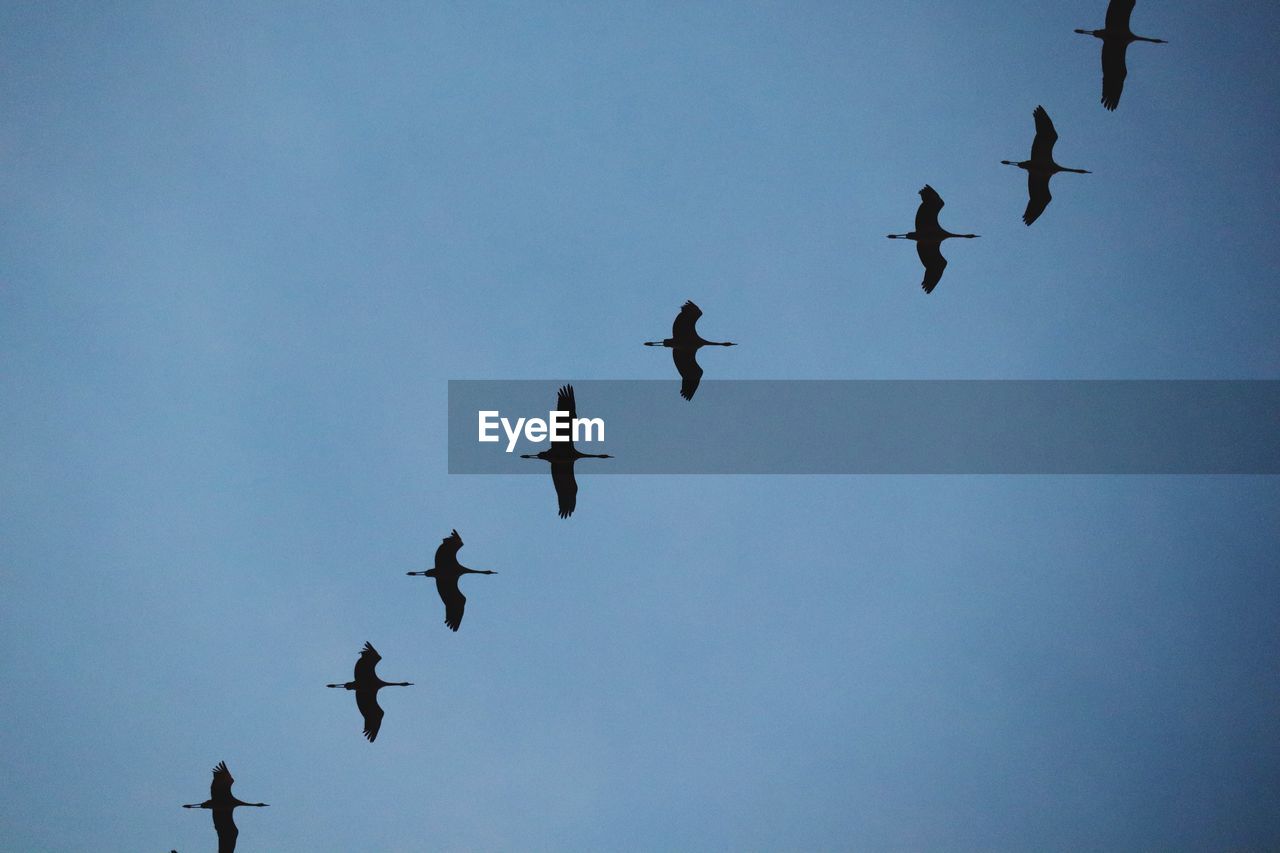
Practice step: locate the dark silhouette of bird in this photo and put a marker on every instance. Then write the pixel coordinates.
(366, 686)
(929, 236)
(222, 804)
(446, 572)
(562, 455)
(1116, 38)
(1040, 168)
(685, 343)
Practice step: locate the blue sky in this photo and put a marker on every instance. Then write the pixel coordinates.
(245, 246)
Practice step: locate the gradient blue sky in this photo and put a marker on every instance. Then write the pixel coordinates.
(245, 245)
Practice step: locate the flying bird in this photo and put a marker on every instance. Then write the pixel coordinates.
(446, 572)
(1116, 38)
(366, 686)
(1040, 168)
(684, 343)
(222, 804)
(929, 236)
(562, 455)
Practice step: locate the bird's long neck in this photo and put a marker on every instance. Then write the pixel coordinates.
(467, 571)
(1148, 40)
(946, 234)
(395, 683)
(1077, 171)
(235, 802)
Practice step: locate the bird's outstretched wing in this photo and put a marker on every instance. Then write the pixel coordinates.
(220, 788)
(930, 253)
(224, 824)
(454, 601)
(1118, 13)
(690, 373)
(930, 205)
(448, 550)
(565, 402)
(367, 664)
(1046, 136)
(566, 489)
(686, 322)
(1038, 196)
(367, 702)
(1113, 71)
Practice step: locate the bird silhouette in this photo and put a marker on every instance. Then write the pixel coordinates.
(222, 804)
(685, 343)
(1040, 168)
(1116, 38)
(562, 455)
(366, 686)
(929, 236)
(446, 572)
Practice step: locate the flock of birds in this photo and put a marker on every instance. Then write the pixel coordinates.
(684, 344)
(1040, 167)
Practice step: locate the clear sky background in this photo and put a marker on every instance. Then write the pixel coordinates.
(244, 246)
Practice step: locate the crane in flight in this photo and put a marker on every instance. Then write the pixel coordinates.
(1116, 38)
(929, 236)
(562, 455)
(447, 570)
(684, 344)
(1040, 168)
(366, 685)
(222, 803)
